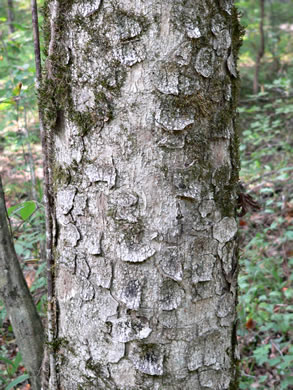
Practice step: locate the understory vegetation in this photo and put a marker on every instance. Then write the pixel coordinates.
(266, 123)
(265, 280)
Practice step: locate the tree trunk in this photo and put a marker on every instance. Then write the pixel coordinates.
(10, 16)
(140, 98)
(261, 49)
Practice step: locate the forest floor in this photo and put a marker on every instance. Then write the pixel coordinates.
(266, 241)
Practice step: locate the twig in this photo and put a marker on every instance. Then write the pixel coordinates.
(261, 176)
(9, 222)
(31, 260)
(264, 99)
(264, 175)
(48, 199)
(30, 159)
(277, 348)
(36, 40)
(247, 375)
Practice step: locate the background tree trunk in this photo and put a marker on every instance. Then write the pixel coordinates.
(14, 292)
(140, 97)
(10, 16)
(261, 49)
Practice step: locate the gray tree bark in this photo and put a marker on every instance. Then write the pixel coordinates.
(140, 99)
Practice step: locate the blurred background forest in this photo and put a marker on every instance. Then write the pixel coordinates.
(266, 125)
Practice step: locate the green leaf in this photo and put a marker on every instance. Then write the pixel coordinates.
(39, 283)
(5, 105)
(16, 363)
(286, 382)
(289, 234)
(4, 359)
(287, 362)
(275, 361)
(16, 381)
(286, 169)
(21, 27)
(288, 293)
(25, 210)
(261, 354)
(262, 378)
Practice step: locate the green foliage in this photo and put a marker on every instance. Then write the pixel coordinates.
(27, 222)
(19, 142)
(17, 65)
(11, 366)
(28, 219)
(18, 112)
(17, 381)
(278, 54)
(23, 210)
(266, 145)
(265, 309)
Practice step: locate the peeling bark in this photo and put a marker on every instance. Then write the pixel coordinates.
(140, 98)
